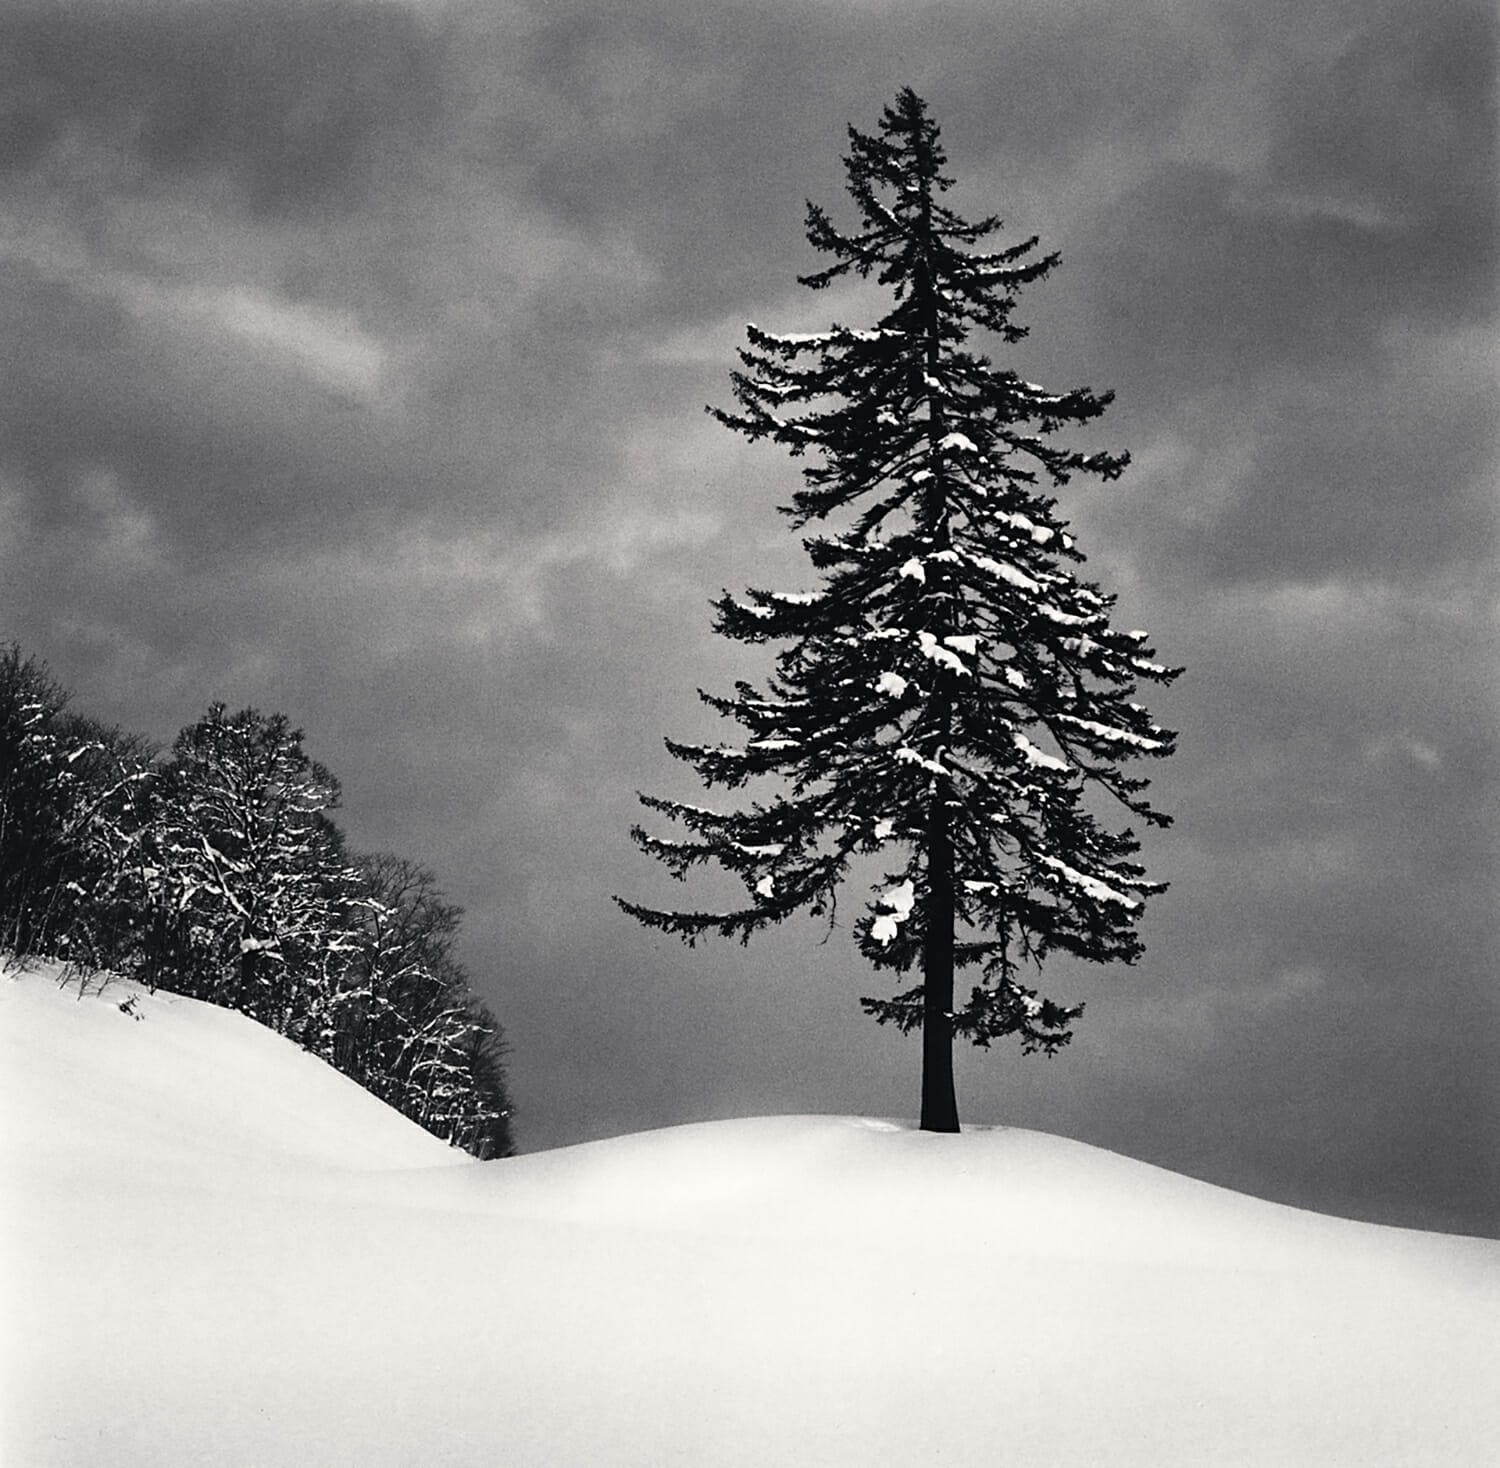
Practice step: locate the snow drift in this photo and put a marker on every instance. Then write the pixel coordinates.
(219, 1251)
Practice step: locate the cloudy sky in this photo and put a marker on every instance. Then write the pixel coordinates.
(355, 356)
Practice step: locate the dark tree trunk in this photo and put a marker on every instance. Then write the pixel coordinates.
(247, 999)
(939, 1101)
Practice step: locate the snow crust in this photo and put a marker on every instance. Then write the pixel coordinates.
(1036, 756)
(1109, 731)
(908, 756)
(937, 652)
(898, 902)
(1008, 573)
(218, 1251)
(1099, 891)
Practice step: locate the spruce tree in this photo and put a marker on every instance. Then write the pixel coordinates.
(951, 692)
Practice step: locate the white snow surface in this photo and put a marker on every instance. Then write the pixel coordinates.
(218, 1251)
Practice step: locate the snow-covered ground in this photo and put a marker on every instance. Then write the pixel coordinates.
(218, 1251)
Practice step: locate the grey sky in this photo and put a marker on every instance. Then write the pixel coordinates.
(355, 362)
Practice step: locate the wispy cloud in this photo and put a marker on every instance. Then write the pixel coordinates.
(327, 346)
(425, 589)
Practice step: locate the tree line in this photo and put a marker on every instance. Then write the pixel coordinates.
(214, 869)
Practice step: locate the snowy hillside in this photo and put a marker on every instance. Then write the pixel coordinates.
(218, 1251)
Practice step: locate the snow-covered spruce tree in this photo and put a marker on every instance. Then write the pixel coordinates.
(951, 691)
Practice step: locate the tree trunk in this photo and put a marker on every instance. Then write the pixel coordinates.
(939, 1101)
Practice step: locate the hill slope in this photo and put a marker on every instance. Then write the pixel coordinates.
(220, 1251)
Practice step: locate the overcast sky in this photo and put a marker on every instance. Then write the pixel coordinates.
(355, 357)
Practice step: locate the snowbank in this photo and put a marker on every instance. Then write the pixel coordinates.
(217, 1251)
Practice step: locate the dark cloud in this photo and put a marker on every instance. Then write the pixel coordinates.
(291, 101)
(1399, 488)
(1227, 288)
(1317, 315)
(701, 133)
(1400, 122)
(206, 444)
(355, 363)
